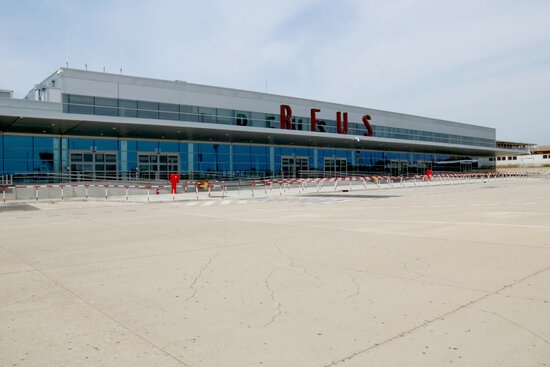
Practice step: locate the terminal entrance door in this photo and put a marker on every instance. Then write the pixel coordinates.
(293, 166)
(88, 165)
(157, 166)
(336, 167)
(465, 166)
(399, 168)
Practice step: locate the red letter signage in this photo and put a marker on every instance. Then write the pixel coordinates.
(339, 128)
(366, 119)
(286, 114)
(314, 120)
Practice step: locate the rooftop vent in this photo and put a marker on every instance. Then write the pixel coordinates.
(6, 93)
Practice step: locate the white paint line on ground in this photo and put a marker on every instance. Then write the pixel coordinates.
(192, 203)
(208, 203)
(243, 201)
(225, 202)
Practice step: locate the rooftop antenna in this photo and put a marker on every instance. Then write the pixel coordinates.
(86, 56)
(266, 85)
(67, 51)
(104, 69)
(121, 61)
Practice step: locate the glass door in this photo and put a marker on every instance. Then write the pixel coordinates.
(86, 165)
(157, 166)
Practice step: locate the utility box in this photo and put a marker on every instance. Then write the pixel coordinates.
(174, 180)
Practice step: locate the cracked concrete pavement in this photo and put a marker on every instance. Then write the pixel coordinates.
(453, 275)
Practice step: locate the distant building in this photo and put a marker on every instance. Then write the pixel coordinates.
(538, 156)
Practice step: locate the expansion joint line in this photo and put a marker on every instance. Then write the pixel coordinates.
(101, 311)
(516, 324)
(429, 322)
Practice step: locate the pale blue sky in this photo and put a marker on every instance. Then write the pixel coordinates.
(481, 62)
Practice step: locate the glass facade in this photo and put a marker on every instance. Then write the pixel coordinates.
(166, 111)
(23, 156)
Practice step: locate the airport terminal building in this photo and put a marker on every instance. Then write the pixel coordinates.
(91, 125)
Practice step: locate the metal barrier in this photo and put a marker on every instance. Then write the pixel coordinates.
(299, 185)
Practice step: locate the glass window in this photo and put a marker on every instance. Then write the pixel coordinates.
(169, 111)
(18, 166)
(147, 146)
(81, 144)
(189, 113)
(81, 100)
(127, 108)
(168, 147)
(241, 149)
(18, 141)
(257, 119)
(258, 150)
(106, 102)
(101, 144)
(207, 115)
(206, 148)
(148, 110)
(44, 142)
(225, 116)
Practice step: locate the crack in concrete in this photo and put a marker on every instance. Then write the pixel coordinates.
(429, 322)
(516, 324)
(273, 299)
(199, 275)
(419, 260)
(357, 287)
(293, 262)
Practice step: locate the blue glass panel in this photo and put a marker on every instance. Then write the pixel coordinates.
(207, 166)
(341, 153)
(169, 147)
(18, 153)
(18, 166)
(184, 148)
(223, 148)
(131, 145)
(131, 156)
(302, 152)
(258, 150)
(183, 162)
(83, 144)
(147, 146)
(43, 165)
(40, 142)
(101, 144)
(241, 158)
(287, 151)
(241, 149)
(18, 141)
(206, 148)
